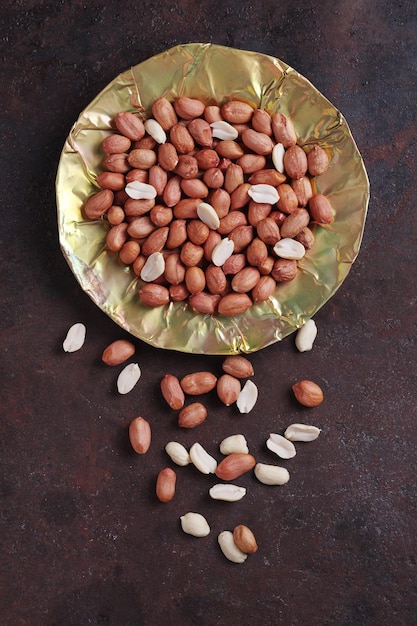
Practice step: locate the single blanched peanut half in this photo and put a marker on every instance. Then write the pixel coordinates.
(247, 397)
(222, 251)
(195, 524)
(302, 432)
(227, 492)
(202, 460)
(281, 446)
(305, 336)
(234, 443)
(208, 215)
(140, 435)
(75, 338)
(229, 548)
(140, 191)
(271, 474)
(154, 267)
(155, 130)
(223, 130)
(178, 453)
(128, 378)
(287, 248)
(264, 194)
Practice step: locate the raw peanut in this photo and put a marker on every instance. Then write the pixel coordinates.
(294, 223)
(177, 453)
(198, 383)
(220, 201)
(147, 143)
(234, 304)
(187, 166)
(177, 234)
(140, 435)
(195, 280)
(271, 474)
(140, 191)
(154, 295)
(191, 254)
(179, 293)
(222, 251)
(158, 178)
(188, 108)
(261, 122)
(241, 237)
(135, 208)
(258, 212)
(208, 216)
(267, 177)
(129, 125)
(240, 196)
(245, 280)
(215, 279)
(155, 130)
(320, 209)
(257, 252)
(164, 113)
(213, 178)
(117, 162)
(288, 248)
(268, 231)
(288, 201)
(303, 190)
(187, 208)
(235, 465)
(264, 194)
(234, 264)
(236, 112)
(247, 397)
(251, 163)
(167, 157)
(111, 180)
(181, 139)
(283, 130)
(308, 393)
(232, 220)
(227, 492)
(212, 113)
(224, 131)
(257, 142)
(204, 302)
(98, 204)
(140, 227)
(172, 392)
(116, 237)
(306, 237)
(75, 338)
(200, 131)
(229, 149)
(194, 188)
(263, 289)
(141, 158)
(118, 352)
(233, 177)
(192, 415)
(278, 152)
(161, 215)
(295, 162)
(165, 484)
(155, 241)
(202, 460)
(267, 266)
(139, 175)
(317, 161)
(302, 432)
(234, 443)
(172, 192)
(305, 336)
(207, 159)
(284, 270)
(238, 366)
(138, 264)
(281, 446)
(197, 231)
(245, 539)
(128, 378)
(154, 267)
(115, 215)
(195, 524)
(213, 239)
(174, 269)
(229, 548)
(116, 144)
(228, 389)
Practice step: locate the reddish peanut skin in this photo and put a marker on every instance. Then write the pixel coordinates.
(238, 366)
(192, 415)
(118, 352)
(235, 465)
(140, 435)
(198, 383)
(172, 392)
(308, 393)
(165, 484)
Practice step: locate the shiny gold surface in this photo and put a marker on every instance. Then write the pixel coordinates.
(214, 74)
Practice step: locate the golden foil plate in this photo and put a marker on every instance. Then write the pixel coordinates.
(214, 74)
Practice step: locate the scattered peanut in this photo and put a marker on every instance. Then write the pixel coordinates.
(118, 352)
(165, 484)
(229, 548)
(128, 378)
(245, 539)
(140, 435)
(308, 393)
(306, 335)
(302, 432)
(195, 524)
(227, 492)
(75, 338)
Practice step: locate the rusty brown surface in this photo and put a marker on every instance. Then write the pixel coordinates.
(83, 539)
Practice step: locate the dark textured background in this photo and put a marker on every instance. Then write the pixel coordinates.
(83, 539)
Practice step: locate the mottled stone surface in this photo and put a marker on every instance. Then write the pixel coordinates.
(83, 539)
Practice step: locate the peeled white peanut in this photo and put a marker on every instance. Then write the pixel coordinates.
(227, 492)
(140, 191)
(247, 397)
(195, 524)
(271, 474)
(302, 432)
(153, 268)
(75, 338)
(229, 548)
(222, 251)
(178, 453)
(265, 194)
(281, 446)
(223, 130)
(128, 378)
(305, 336)
(287, 248)
(155, 130)
(208, 215)
(234, 443)
(202, 460)
(278, 152)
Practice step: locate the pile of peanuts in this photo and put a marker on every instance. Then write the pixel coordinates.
(210, 205)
